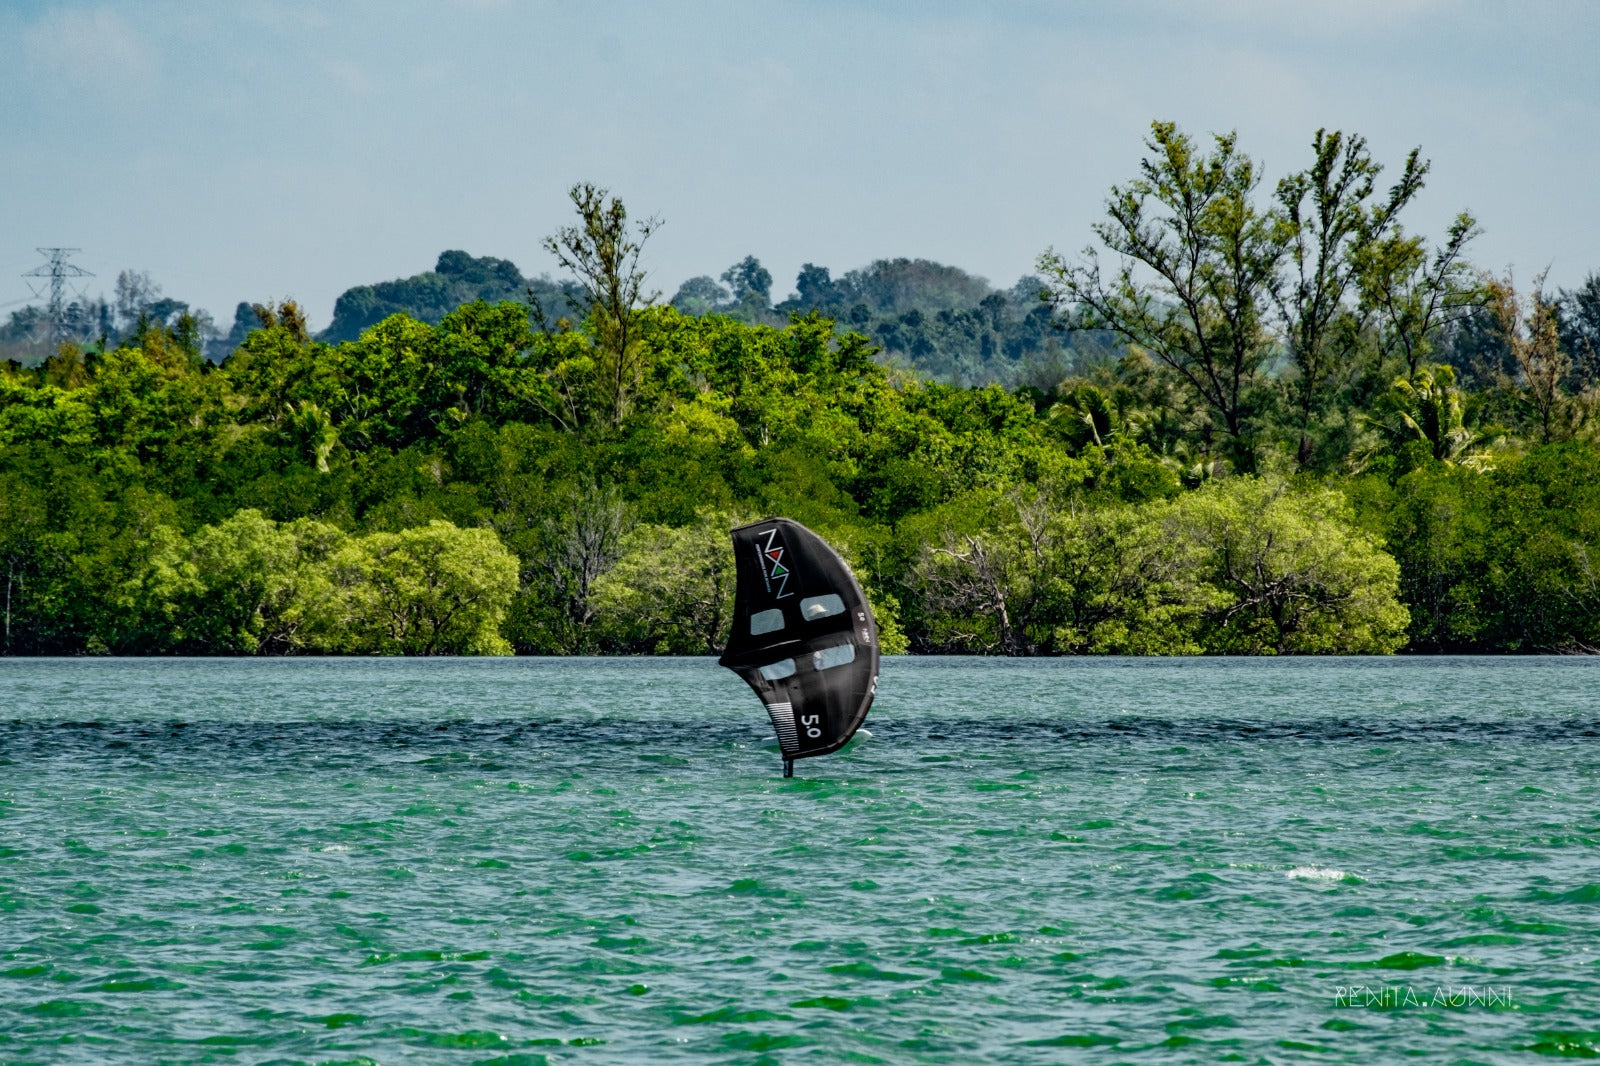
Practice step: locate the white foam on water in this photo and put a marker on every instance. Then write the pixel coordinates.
(1319, 873)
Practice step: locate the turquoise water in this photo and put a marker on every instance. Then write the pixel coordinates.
(524, 861)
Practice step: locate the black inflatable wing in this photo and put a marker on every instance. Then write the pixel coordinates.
(803, 637)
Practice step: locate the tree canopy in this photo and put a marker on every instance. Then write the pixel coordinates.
(1280, 425)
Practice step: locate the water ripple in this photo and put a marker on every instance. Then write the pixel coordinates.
(570, 862)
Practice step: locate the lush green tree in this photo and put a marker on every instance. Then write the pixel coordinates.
(1580, 330)
(241, 586)
(1026, 573)
(1330, 223)
(431, 590)
(1531, 329)
(1427, 409)
(22, 522)
(311, 432)
(1297, 576)
(575, 543)
(1197, 262)
(1503, 559)
(1415, 297)
(671, 589)
(603, 252)
(98, 596)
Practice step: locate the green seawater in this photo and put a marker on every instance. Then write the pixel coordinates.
(576, 861)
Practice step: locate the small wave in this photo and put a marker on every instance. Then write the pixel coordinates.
(1321, 873)
(424, 740)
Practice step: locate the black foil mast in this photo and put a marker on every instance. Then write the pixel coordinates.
(803, 637)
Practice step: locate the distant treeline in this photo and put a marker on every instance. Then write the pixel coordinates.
(1300, 429)
(936, 320)
(29, 336)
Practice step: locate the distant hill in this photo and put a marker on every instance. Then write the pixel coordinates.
(931, 317)
(457, 279)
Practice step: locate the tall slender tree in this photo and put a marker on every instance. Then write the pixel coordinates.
(1329, 220)
(603, 251)
(1415, 295)
(1530, 326)
(1197, 263)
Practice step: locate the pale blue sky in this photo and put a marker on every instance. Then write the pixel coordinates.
(288, 148)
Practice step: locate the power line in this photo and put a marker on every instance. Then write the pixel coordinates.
(57, 270)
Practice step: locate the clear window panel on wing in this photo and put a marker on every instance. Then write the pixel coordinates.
(781, 669)
(814, 607)
(838, 655)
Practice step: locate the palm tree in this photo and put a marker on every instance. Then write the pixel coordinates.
(1427, 407)
(313, 429)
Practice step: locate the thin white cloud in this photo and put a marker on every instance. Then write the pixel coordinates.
(352, 79)
(92, 48)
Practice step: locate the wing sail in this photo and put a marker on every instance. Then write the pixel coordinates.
(803, 637)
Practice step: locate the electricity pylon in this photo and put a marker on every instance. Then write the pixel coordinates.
(57, 270)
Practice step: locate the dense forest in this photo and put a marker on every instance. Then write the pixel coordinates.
(1250, 418)
(936, 320)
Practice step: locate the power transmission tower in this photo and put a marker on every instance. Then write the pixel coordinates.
(57, 270)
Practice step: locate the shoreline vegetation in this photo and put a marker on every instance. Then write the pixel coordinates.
(1252, 418)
